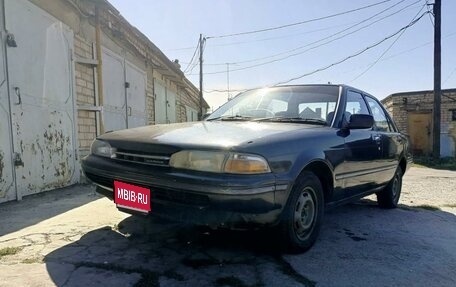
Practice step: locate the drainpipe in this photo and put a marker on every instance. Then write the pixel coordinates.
(99, 66)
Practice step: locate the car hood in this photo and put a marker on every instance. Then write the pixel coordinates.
(204, 134)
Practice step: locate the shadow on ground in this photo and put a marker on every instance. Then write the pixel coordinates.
(360, 244)
(39, 207)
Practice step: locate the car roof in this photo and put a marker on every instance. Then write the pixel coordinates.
(343, 86)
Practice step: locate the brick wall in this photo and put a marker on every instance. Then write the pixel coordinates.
(400, 106)
(150, 100)
(85, 95)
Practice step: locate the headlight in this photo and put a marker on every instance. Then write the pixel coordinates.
(219, 162)
(198, 160)
(102, 148)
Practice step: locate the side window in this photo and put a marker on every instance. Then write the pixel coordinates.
(379, 115)
(355, 105)
(393, 127)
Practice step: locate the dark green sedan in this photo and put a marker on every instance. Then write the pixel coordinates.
(275, 158)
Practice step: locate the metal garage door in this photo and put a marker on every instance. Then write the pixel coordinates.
(160, 102)
(41, 99)
(170, 106)
(124, 93)
(7, 186)
(192, 114)
(165, 103)
(114, 101)
(136, 96)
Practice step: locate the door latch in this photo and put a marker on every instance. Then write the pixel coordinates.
(17, 159)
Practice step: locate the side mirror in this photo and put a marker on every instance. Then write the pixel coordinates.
(359, 121)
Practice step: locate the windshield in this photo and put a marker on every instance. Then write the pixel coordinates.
(299, 103)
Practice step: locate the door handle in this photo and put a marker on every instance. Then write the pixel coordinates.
(17, 91)
(377, 138)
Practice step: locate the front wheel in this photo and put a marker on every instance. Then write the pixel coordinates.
(302, 217)
(389, 196)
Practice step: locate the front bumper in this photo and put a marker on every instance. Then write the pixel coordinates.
(196, 197)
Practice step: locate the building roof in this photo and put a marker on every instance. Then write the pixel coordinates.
(413, 93)
(157, 52)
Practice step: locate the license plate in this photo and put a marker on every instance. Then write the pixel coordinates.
(132, 197)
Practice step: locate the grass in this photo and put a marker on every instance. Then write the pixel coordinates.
(32, 260)
(9, 251)
(448, 163)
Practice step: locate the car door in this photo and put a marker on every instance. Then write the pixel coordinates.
(363, 152)
(390, 139)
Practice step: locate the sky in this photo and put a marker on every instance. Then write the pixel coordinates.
(403, 62)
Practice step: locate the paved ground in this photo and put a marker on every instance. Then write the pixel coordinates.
(72, 237)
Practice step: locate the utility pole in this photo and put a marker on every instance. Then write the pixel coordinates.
(201, 44)
(437, 80)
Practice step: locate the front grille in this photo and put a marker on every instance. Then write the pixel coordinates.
(142, 158)
(161, 194)
(180, 197)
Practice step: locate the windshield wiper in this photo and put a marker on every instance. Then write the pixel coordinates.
(231, 118)
(293, 120)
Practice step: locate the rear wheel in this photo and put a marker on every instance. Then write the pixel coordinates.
(389, 196)
(301, 218)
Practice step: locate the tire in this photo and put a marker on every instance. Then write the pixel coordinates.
(389, 197)
(303, 214)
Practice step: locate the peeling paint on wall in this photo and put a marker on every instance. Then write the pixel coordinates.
(2, 180)
(2, 165)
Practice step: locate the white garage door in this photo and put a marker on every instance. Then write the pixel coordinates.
(160, 102)
(136, 96)
(124, 93)
(42, 104)
(114, 101)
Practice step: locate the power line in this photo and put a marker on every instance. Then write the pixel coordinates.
(259, 40)
(386, 50)
(340, 61)
(196, 62)
(181, 49)
(430, 12)
(449, 76)
(317, 41)
(383, 59)
(332, 35)
(193, 57)
(279, 37)
(300, 23)
(262, 40)
(356, 54)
